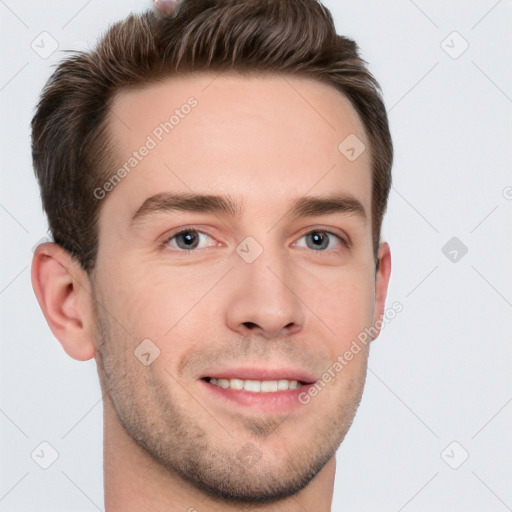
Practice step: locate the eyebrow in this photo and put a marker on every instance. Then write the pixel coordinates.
(209, 203)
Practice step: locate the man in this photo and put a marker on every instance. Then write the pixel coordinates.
(215, 183)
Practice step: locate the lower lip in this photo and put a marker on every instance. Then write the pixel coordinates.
(272, 402)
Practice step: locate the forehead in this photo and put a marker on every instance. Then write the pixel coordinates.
(263, 138)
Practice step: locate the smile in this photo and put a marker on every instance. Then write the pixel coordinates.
(256, 386)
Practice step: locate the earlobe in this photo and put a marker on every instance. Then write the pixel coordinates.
(62, 289)
(382, 277)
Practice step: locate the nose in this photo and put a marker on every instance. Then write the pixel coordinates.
(262, 300)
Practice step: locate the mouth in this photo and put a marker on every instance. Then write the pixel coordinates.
(255, 386)
(262, 391)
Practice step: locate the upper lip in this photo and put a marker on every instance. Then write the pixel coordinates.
(261, 373)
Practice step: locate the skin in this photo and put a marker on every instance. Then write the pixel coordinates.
(167, 444)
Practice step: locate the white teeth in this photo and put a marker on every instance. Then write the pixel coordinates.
(252, 385)
(282, 384)
(223, 383)
(257, 386)
(236, 383)
(268, 385)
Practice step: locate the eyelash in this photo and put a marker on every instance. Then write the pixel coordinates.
(345, 244)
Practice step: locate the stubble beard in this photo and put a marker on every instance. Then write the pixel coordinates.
(152, 416)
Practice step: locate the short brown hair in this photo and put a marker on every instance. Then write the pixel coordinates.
(71, 151)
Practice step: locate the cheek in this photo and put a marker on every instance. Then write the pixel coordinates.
(348, 311)
(344, 305)
(156, 301)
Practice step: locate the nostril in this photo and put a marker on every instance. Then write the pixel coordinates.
(250, 325)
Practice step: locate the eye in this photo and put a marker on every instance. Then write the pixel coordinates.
(187, 240)
(190, 239)
(320, 240)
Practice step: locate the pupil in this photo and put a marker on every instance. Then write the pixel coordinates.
(318, 240)
(189, 239)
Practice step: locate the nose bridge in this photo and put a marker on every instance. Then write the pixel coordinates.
(262, 296)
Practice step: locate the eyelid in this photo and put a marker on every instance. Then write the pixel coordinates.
(183, 229)
(344, 239)
(345, 243)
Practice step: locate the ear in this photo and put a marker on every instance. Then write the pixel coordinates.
(382, 276)
(63, 291)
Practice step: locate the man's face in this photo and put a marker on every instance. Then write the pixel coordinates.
(291, 299)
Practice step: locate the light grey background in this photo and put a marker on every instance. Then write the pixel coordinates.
(439, 372)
